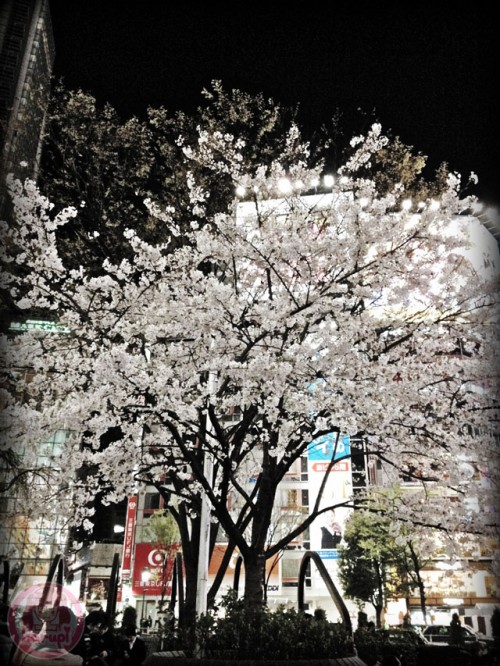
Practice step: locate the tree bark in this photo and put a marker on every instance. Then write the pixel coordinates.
(255, 571)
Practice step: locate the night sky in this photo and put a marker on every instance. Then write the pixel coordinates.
(429, 73)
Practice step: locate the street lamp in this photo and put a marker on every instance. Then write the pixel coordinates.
(145, 578)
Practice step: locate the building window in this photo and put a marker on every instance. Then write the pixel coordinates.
(151, 502)
(292, 498)
(303, 468)
(290, 572)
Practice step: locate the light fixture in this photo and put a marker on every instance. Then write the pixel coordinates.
(284, 186)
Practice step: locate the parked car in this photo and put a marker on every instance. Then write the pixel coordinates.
(473, 641)
(411, 648)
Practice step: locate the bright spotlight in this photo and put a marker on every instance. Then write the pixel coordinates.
(284, 186)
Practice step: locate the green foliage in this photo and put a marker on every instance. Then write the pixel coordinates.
(363, 563)
(373, 565)
(245, 632)
(162, 530)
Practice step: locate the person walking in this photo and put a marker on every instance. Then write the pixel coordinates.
(456, 634)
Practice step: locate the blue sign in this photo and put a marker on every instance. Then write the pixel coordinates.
(329, 554)
(323, 447)
(38, 325)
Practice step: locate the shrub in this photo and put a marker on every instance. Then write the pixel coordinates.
(260, 634)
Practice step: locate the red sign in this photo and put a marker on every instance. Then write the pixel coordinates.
(341, 466)
(128, 540)
(151, 557)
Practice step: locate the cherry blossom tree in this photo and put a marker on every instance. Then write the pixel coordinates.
(346, 312)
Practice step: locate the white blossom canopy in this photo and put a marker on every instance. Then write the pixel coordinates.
(344, 312)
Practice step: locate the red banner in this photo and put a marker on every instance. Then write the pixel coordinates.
(150, 557)
(128, 540)
(341, 466)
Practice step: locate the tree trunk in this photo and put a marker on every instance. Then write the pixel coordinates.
(189, 529)
(254, 556)
(420, 582)
(380, 593)
(219, 576)
(379, 612)
(255, 571)
(191, 571)
(423, 600)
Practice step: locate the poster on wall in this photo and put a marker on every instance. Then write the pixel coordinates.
(97, 588)
(327, 530)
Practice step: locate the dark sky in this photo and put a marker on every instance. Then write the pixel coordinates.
(430, 73)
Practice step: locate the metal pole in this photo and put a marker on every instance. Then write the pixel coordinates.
(204, 548)
(113, 586)
(145, 577)
(6, 583)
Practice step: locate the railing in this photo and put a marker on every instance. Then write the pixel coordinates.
(177, 589)
(57, 569)
(330, 585)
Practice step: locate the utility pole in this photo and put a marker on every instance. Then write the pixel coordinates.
(204, 549)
